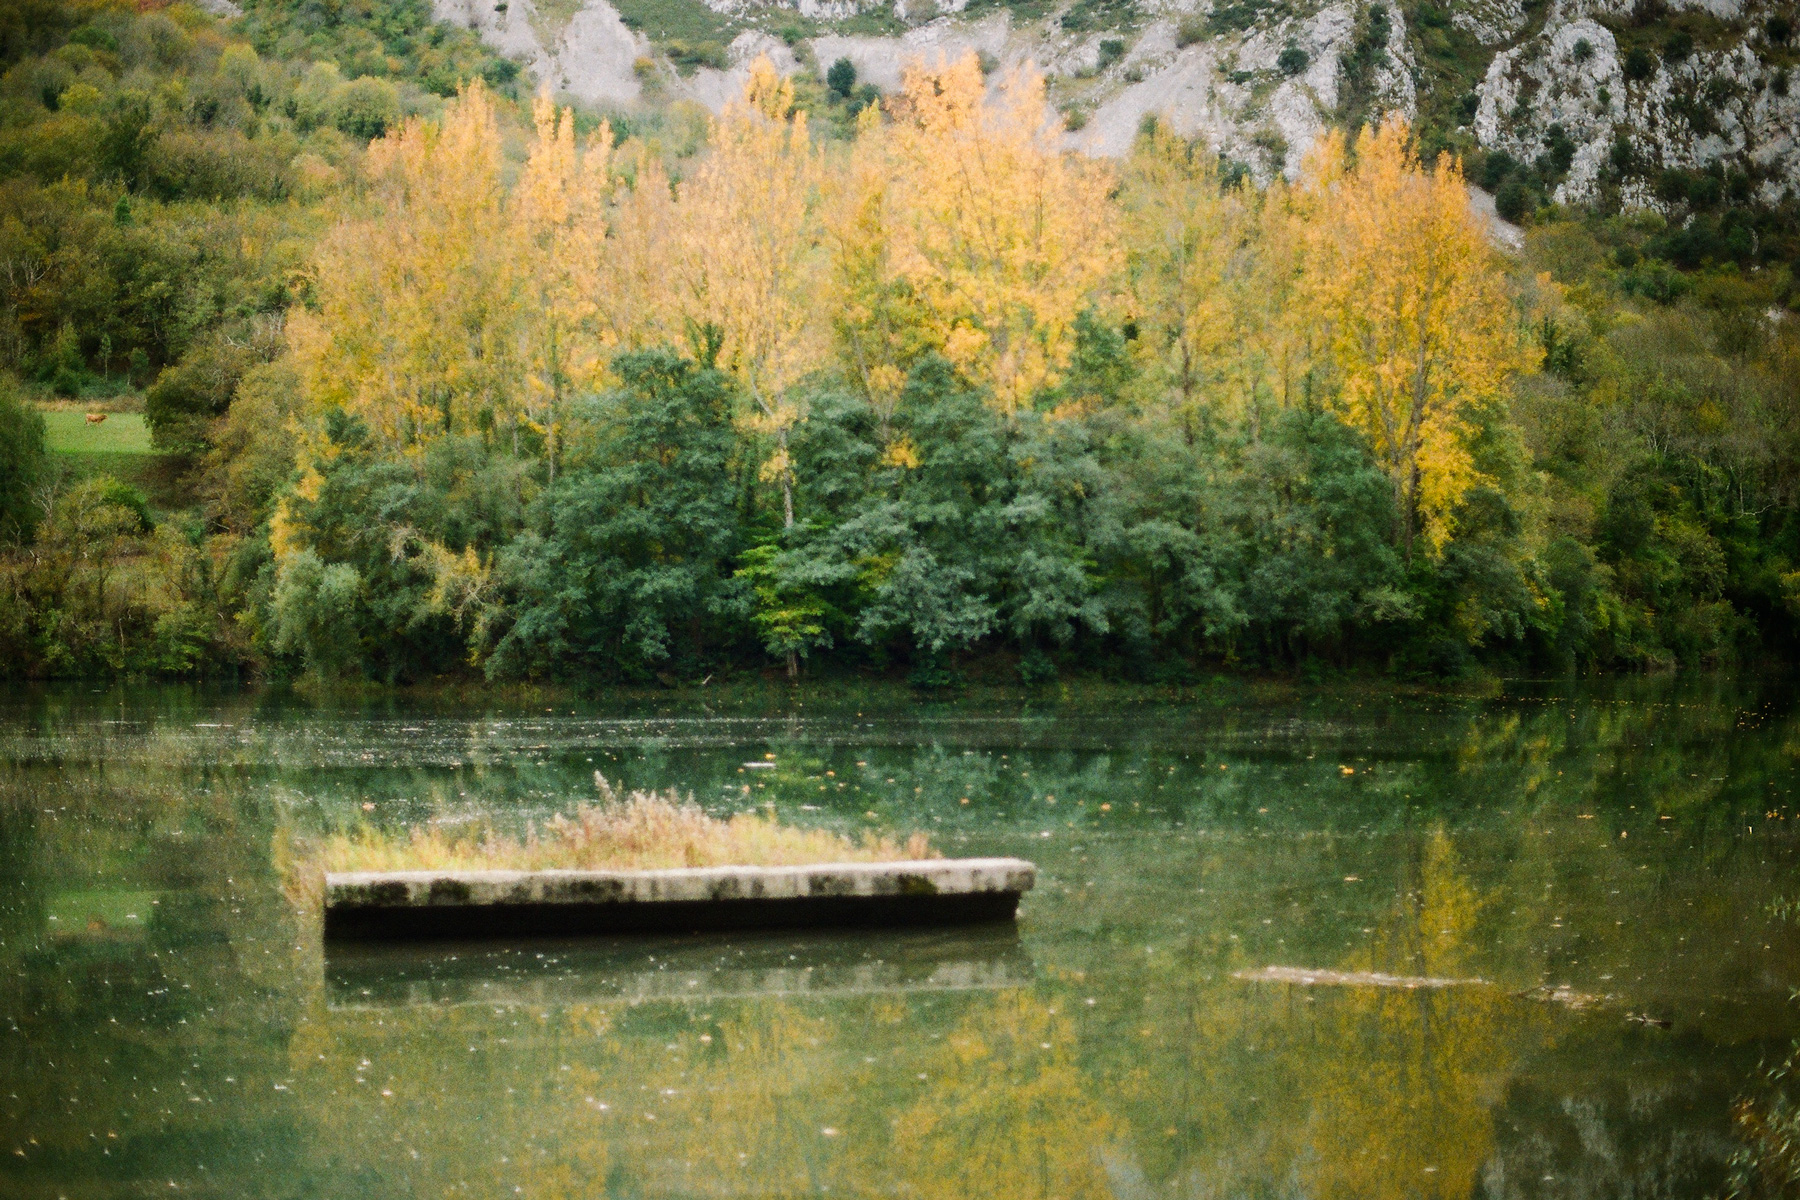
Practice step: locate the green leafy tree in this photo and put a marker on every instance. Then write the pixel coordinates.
(627, 569)
(24, 466)
(790, 621)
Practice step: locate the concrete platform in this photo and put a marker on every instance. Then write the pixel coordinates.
(414, 904)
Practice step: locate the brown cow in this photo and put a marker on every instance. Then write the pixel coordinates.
(95, 418)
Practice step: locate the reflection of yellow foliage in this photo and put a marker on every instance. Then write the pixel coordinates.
(1449, 907)
(1403, 1096)
(680, 1099)
(1008, 1111)
(1403, 1091)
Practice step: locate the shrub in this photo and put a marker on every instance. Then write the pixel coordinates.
(688, 56)
(1640, 64)
(23, 463)
(1111, 51)
(1231, 16)
(1293, 60)
(1622, 157)
(1584, 50)
(1495, 168)
(1679, 46)
(1778, 28)
(366, 108)
(188, 395)
(1513, 200)
(1036, 668)
(95, 38)
(841, 78)
(637, 831)
(1559, 153)
(1192, 29)
(313, 612)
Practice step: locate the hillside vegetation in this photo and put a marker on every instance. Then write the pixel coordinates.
(836, 382)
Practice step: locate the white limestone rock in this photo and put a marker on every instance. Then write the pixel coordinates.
(1714, 107)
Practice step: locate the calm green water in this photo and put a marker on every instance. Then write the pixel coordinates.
(168, 1027)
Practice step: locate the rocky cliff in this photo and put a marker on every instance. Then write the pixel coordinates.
(1639, 103)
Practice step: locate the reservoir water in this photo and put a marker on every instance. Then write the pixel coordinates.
(1541, 942)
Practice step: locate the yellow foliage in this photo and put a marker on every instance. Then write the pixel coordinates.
(958, 225)
(1399, 281)
(747, 265)
(999, 236)
(412, 328)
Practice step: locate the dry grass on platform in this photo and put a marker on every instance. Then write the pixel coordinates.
(636, 831)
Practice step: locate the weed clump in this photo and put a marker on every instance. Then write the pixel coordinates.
(635, 831)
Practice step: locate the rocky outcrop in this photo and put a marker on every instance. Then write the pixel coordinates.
(1718, 105)
(1563, 93)
(1235, 92)
(590, 58)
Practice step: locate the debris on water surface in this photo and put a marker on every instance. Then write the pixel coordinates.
(1564, 995)
(1576, 1001)
(1311, 978)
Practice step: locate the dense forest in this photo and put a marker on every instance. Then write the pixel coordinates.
(441, 380)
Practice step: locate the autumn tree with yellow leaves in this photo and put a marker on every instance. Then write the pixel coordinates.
(746, 276)
(415, 320)
(997, 237)
(901, 375)
(1399, 282)
(1210, 274)
(948, 282)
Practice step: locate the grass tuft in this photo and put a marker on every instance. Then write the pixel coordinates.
(638, 831)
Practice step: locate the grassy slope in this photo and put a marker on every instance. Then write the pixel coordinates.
(119, 447)
(67, 432)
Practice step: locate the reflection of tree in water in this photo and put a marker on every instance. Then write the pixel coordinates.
(1472, 860)
(1246, 1088)
(133, 1041)
(1014, 1115)
(1766, 1165)
(1404, 1081)
(739, 1097)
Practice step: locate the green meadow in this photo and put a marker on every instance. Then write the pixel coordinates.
(68, 432)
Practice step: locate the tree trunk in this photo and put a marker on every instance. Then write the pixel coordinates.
(787, 486)
(793, 664)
